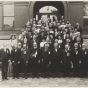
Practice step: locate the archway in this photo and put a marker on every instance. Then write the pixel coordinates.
(47, 12)
(62, 6)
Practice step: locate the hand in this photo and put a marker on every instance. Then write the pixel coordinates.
(49, 62)
(13, 61)
(26, 62)
(80, 62)
(8, 60)
(19, 62)
(38, 61)
(72, 66)
(68, 54)
(61, 61)
(42, 59)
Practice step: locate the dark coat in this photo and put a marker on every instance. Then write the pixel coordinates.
(45, 56)
(84, 57)
(25, 55)
(15, 55)
(76, 57)
(56, 57)
(5, 56)
(66, 58)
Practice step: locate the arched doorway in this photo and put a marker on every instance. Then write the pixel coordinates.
(49, 8)
(62, 6)
(47, 12)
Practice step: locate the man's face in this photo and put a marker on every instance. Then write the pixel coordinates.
(34, 37)
(19, 46)
(35, 46)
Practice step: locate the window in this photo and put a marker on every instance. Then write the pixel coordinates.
(47, 9)
(8, 16)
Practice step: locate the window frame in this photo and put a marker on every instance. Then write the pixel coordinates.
(7, 3)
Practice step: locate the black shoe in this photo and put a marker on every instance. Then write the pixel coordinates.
(13, 77)
(25, 77)
(17, 77)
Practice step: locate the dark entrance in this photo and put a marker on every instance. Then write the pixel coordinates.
(41, 4)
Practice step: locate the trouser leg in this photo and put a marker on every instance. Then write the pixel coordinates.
(14, 71)
(3, 73)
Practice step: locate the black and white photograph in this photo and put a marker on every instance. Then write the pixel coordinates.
(43, 43)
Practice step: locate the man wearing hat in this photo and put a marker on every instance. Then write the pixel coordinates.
(13, 40)
(5, 58)
(84, 59)
(76, 59)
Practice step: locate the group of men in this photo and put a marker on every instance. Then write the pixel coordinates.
(47, 47)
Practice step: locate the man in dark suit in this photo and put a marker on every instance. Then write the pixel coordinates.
(76, 59)
(5, 57)
(66, 60)
(45, 58)
(25, 58)
(84, 60)
(34, 54)
(56, 58)
(15, 61)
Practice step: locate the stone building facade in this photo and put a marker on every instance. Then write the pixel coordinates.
(14, 15)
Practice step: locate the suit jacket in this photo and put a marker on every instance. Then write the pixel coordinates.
(56, 56)
(84, 57)
(76, 57)
(15, 55)
(5, 56)
(25, 54)
(45, 56)
(66, 58)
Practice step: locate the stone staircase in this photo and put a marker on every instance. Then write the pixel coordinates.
(5, 35)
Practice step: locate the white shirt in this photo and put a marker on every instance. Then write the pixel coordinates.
(59, 41)
(42, 44)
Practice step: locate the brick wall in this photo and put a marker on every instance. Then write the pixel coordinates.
(21, 15)
(76, 13)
